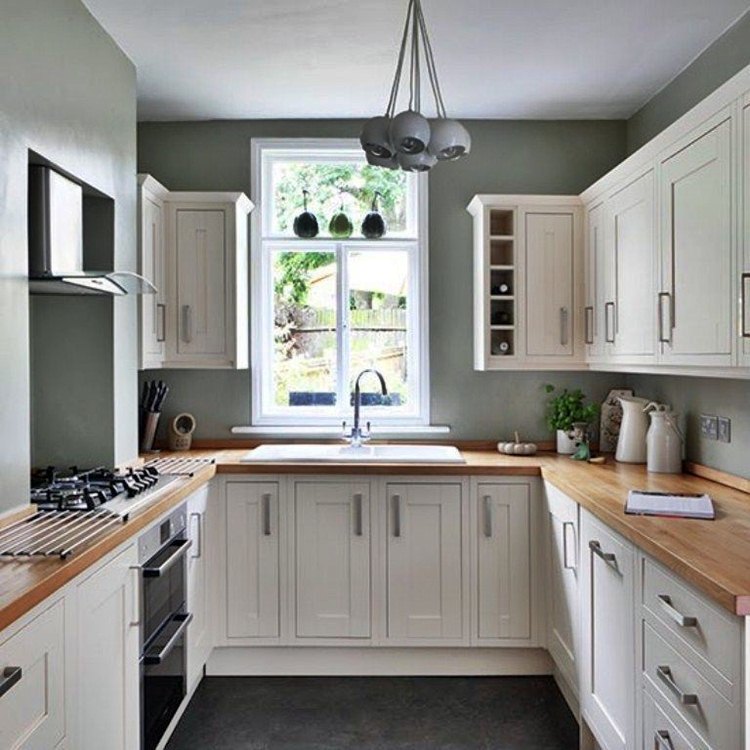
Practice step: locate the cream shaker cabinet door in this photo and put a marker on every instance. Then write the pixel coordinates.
(504, 561)
(563, 608)
(630, 310)
(695, 304)
(332, 567)
(107, 671)
(549, 284)
(252, 538)
(608, 660)
(153, 267)
(32, 682)
(593, 321)
(744, 277)
(424, 561)
(198, 593)
(202, 288)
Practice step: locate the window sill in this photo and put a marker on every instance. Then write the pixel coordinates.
(328, 431)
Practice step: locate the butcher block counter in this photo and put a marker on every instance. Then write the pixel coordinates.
(713, 555)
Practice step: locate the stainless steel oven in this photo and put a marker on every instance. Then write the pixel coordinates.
(163, 565)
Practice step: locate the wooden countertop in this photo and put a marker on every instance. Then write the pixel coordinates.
(713, 555)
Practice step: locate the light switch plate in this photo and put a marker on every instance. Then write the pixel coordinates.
(724, 432)
(709, 427)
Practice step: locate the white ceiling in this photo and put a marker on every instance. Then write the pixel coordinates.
(206, 59)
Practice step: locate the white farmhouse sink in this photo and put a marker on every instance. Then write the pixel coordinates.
(373, 454)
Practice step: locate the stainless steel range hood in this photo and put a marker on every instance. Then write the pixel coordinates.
(56, 242)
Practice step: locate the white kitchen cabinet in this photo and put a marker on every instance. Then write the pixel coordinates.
(207, 280)
(32, 708)
(549, 279)
(332, 552)
(630, 270)
(199, 632)
(504, 562)
(608, 654)
(424, 562)
(528, 282)
(563, 591)
(107, 653)
(743, 293)
(152, 261)
(593, 313)
(252, 564)
(695, 300)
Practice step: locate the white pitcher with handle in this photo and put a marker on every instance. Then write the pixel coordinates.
(664, 441)
(631, 444)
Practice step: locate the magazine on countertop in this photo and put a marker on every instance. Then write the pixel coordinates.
(642, 503)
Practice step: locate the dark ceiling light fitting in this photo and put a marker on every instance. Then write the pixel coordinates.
(408, 140)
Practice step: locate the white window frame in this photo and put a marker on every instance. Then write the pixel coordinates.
(263, 414)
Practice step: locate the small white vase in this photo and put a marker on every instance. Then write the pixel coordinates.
(565, 444)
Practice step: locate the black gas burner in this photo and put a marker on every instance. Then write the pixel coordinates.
(53, 489)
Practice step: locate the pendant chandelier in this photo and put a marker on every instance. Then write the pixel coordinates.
(409, 140)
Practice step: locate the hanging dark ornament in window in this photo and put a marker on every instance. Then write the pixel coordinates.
(373, 225)
(306, 223)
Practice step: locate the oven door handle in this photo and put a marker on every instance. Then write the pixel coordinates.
(181, 547)
(157, 657)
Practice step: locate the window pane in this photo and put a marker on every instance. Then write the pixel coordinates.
(378, 283)
(329, 183)
(304, 336)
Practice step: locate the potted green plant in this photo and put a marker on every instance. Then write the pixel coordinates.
(563, 410)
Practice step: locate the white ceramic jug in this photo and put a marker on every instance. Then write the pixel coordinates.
(631, 444)
(664, 442)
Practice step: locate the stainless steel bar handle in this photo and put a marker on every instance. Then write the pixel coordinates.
(199, 535)
(10, 677)
(396, 516)
(161, 323)
(137, 615)
(682, 620)
(589, 324)
(665, 338)
(662, 740)
(608, 557)
(181, 548)
(487, 517)
(358, 514)
(745, 316)
(568, 525)
(159, 656)
(266, 499)
(563, 326)
(664, 673)
(187, 323)
(610, 339)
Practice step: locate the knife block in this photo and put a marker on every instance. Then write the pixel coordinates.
(149, 422)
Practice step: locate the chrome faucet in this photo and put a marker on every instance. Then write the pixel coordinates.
(356, 436)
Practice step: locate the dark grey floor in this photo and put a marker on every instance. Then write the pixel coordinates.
(376, 713)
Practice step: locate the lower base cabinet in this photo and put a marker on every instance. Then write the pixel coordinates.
(608, 657)
(424, 562)
(200, 631)
(32, 679)
(107, 682)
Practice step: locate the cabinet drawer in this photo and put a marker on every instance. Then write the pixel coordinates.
(32, 710)
(663, 730)
(683, 687)
(707, 637)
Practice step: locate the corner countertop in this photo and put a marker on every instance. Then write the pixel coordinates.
(712, 555)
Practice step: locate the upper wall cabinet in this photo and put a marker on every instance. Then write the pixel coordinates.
(695, 300)
(193, 247)
(743, 292)
(528, 282)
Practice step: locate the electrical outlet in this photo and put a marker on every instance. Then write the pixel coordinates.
(724, 432)
(709, 427)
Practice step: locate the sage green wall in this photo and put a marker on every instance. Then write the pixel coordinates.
(695, 396)
(507, 157)
(714, 66)
(66, 92)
